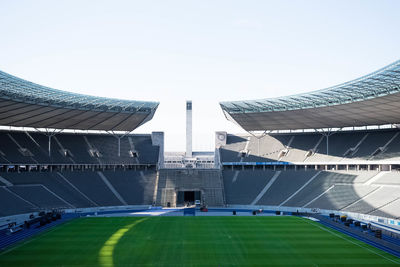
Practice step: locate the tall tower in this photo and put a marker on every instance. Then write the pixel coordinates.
(188, 128)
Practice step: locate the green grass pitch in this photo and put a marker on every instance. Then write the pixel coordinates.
(193, 241)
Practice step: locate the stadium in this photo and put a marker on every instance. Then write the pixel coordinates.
(315, 181)
(199, 133)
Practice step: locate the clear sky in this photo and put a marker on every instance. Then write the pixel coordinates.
(205, 51)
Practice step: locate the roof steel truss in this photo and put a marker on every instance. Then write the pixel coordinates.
(380, 83)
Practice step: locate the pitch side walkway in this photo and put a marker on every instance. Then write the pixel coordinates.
(7, 239)
(392, 246)
(387, 243)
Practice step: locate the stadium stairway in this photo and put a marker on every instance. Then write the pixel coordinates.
(19, 147)
(363, 145)
(33, 191)
(209, 182)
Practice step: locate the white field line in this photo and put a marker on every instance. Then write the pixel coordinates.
(39, 235)
(351, 241)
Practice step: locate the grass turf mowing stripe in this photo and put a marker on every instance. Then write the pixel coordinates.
(32, 238)
(106, 252)
(196, 241)
(351, 241)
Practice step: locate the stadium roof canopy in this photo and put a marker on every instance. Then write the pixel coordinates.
(370, 100)
(26, 104)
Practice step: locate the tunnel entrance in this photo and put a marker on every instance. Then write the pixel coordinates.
(187, 197)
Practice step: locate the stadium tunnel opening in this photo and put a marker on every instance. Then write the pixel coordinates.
(187, 197)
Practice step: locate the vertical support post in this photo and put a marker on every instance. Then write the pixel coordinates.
(119, 137)
(119, 146)
(327, 144)
(49, 145)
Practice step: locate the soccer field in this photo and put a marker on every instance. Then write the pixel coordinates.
(193, 241)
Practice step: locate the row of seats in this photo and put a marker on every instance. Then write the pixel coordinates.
(312, 147)
(32, 148)
(209, 182)
(369, 192)
(33, 191)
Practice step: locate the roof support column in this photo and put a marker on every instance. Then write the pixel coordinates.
(119, 147)
(262, 135)
(119, 137)
(49, 133)
(49, 145)
(327, 145)
(327, 132)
